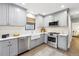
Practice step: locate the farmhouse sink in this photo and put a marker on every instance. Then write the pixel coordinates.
(35, 36)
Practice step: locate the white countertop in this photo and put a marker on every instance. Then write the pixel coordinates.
(25, 35)
(63, 34)
(14, 37)
(1, 39)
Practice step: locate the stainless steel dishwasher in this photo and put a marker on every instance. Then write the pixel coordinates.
(23, 44)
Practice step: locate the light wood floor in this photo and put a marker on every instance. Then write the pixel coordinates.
(45, 50)
(74, 47)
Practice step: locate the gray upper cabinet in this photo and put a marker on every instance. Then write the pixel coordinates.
(61, 17)
(17, 15)
(39, 21)
(3, 14)
(48, 19)
(11, 14)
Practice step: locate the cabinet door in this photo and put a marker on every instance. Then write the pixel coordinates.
(26, 43)
(3, 14)
(36, 42)
(39, 21)
(4, 48)
(43, 37)
(29, 41)
(17, 15)
(62, 18)
(33, 43)
(48, 19)
(39, 41)
(13, 47)
(62, 42)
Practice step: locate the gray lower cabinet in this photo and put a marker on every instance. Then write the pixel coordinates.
(23, 44)
(44, 37)
(8, 47)
(36, 42)
(13, 47)
(63, 42)
(4, 48)
(33, 43)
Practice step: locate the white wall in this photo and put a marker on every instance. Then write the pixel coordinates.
(58, 29)
(75, 24)
(69, 30)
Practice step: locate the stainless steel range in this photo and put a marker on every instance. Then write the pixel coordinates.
(53, 39)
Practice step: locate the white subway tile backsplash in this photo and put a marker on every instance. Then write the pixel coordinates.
(11, 30)
(58, 29)
(21, 30)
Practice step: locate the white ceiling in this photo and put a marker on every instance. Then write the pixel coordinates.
(46, 8)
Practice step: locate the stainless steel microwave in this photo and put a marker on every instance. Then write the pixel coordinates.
(55, 23)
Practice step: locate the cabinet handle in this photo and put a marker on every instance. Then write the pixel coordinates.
(7, 45)
(10, 44)
(22, 39)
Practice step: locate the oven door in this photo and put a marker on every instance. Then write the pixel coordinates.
(52, 39)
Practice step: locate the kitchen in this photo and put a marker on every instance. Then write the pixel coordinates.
(22, 30)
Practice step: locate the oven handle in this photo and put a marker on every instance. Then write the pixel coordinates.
(52, 36)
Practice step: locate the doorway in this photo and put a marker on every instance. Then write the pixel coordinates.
(74, 45)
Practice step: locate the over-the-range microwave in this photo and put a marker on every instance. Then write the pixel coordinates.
(55, 23)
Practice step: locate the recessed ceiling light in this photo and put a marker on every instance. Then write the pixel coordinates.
(30, 15)
(50, 16)
(62, 6)
(43, 13)
(23, 3)
(18, 9)
(77, 12)
(29, 11)
(65, 12)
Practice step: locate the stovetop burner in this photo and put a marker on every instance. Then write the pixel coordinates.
(51, 33)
